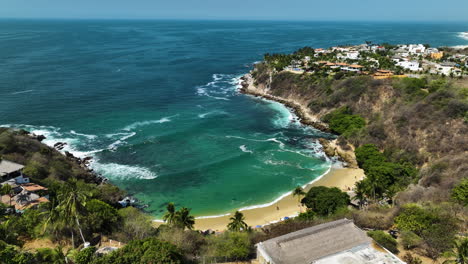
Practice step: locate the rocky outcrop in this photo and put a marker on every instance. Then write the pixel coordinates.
(332, 149)
(248, 87)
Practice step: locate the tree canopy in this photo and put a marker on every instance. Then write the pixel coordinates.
(324, 200)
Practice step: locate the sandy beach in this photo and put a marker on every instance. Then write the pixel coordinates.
(289, 205)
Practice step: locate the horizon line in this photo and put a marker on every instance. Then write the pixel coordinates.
(230, 19)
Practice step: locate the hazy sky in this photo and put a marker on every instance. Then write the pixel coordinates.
(420, 10)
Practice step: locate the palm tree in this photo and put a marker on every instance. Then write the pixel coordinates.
(169, 216)
(237, 222)
(183, 219)
(360, 193)
(53, 256)
(7, 190)
(71, 206)
(459, 254)
(298, 192)
(23, 198)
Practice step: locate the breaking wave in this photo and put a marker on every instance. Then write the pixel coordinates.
(148, 122)
(221, 87)
(244, 149)
(78, 144)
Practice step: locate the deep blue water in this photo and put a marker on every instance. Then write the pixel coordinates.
(155, 102)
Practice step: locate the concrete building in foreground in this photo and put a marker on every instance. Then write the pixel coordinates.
(338, 242)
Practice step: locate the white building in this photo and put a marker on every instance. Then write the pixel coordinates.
(338, 242)
(416, 48)
(448, 68)
(409, 65)
(352, 55)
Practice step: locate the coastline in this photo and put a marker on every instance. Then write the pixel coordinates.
(304, 115)
(287, 206)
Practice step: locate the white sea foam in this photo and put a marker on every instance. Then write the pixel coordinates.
(211, 113)
(22, 92)
(83, 135)
(211, 216)
(244, 149)
(121, 140)
(111, 170)
(148, 122)
(221, 84)
(283, 195)
(124, 172)
(463, 35)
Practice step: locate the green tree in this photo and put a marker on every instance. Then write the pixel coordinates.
(71, 207)
(237, 222)
(360, 192)
(184, 219)
(35, 170)
(414, 218)
(51, 256)
(150, 250)
(170, 215)
(459, 253)
(324, 200)
(100, 217)
(85, 256)
(7, 190)
(230, 246)
(298, 192)
(460, 192)
(342, 121)
(134, 224)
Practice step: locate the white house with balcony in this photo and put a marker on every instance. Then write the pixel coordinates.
(409, 65)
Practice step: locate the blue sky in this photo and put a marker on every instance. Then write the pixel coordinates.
(394, 10)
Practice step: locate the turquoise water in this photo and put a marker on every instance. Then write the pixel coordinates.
(155, 102)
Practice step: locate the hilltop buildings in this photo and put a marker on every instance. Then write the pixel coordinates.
(370, 59)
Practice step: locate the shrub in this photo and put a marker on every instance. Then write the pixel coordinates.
(134, 225)
(410, 240)
(342, 121)
(460, 192)
(230, 245)
(85, 256)
(307, 215)
(384, 239)
(325, 201)
(100, 216)
(35, 170)
(148, 250)
(414, 218)
(409, 259)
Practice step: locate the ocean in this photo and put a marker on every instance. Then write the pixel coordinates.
(155, 103)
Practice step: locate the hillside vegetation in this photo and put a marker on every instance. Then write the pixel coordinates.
(409, 136)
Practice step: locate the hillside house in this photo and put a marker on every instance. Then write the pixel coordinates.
(409, 65)
(338, 242)
(10, 170)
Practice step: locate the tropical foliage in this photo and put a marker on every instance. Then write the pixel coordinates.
(237, 222)
(324, 200)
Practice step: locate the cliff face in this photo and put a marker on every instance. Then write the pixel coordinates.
(420, 121)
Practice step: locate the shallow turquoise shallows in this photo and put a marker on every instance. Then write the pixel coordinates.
(155, 102)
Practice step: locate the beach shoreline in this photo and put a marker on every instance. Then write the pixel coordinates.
(288, 206)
